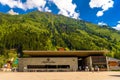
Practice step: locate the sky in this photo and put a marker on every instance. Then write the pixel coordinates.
(101, 12)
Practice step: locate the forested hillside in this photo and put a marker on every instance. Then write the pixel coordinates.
(45, 31)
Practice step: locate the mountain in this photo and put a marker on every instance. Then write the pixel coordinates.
(46, 31)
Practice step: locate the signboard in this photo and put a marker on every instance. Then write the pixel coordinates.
(113, 63)
(16, 61)
(48, 61)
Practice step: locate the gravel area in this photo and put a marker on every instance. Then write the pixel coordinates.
(60, 75)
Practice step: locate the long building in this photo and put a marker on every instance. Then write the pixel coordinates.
(62, 60)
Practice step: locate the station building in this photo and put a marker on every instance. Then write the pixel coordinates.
(62, 60)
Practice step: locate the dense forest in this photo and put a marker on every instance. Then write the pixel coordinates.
(46, 31)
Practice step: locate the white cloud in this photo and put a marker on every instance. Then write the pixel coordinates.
(30, 4)
(66, 7)
(99, 13)
(119, 22)
(12, 3)
(101, 23)
(103, 4)
(117, 27)
(47, 9)
(12, 12)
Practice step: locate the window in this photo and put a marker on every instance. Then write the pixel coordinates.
(98, 59)
(47, 66)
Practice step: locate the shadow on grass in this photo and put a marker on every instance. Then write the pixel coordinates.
(115, 75)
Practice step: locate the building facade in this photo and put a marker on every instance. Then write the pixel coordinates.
(62, 61)
(114, 64)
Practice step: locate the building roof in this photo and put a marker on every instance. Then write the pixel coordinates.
(65, 53)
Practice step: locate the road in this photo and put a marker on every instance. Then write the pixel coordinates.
(60, 75)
